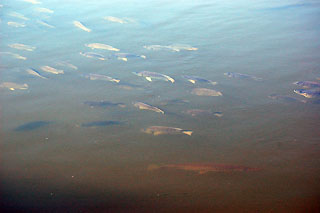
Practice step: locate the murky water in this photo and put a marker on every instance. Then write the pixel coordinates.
(70, 142)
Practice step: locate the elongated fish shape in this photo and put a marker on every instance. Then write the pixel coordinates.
(242, 76)
(44, 23)
(203, 168)
(194, 79)
(115, 19)
(174, 102)
(67, 64)
(93, 76)
(202, 112)
(100, 123)
(155, 47)
(32, 1)
(125, 56)
(32, 126)
(14, 55)
(101, 46)
(81, 26)
(15, 24)
(93, 55)
(150, 75)
(205, 92)
(144, 106)
(35, 72)
(18, 15)
(104, 104)
(43, 10)
(51, 70)
(162, 130)
(307, 84)
(173, 47)
(179, 47)
(22, 47)
(13, 86)
(312, 93)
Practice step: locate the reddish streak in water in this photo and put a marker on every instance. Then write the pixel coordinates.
(203, 168)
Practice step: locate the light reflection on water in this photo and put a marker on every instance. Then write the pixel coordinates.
(62, 165)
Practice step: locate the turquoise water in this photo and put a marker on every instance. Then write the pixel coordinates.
(64, 166)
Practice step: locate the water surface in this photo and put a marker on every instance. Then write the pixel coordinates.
(65, 167)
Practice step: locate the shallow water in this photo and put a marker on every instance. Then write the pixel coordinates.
(67, 167)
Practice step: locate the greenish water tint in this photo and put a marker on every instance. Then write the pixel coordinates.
(79, 62)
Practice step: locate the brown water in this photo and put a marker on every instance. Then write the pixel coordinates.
(63, 167)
